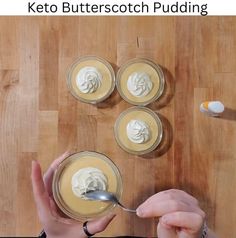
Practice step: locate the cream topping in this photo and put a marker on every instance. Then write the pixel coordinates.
(139, 84)
(138, 131)
(88, 80)
(88, 179)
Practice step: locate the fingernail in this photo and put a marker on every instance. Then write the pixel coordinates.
(164, 220)
(139, 212)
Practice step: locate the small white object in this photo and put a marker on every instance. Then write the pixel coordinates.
(88, 80)
(212, 108)
(138, 131)
(139, 84)
(88, 179)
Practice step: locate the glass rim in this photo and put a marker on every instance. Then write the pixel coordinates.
(156, 67)
(84, 58)
(56, 191)
(159, 125)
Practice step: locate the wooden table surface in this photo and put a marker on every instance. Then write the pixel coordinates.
(39, 119)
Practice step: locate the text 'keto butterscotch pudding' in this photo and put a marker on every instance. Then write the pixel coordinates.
(140, 81)
(138, 130)
(91, 79)
(80, 173)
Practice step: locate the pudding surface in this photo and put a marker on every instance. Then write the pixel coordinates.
(145, 135)
(91, 79)
(140, 81)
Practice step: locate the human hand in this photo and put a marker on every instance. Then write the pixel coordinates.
(179, 212)
(54, 223)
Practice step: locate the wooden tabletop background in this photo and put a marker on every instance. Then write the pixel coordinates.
(39, 119)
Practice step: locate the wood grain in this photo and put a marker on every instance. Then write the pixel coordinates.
(40, 119)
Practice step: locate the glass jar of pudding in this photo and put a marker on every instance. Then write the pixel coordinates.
(82, 172)
(91, 79)
(140, 81)
(138, 130)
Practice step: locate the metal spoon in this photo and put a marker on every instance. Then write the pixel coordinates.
(106, 196)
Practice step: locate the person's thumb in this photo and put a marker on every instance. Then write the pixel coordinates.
(100, 224)
(165, 231)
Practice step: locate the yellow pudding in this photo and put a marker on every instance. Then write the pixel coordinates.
(91, 79)
(64, 189)
(140, 81)
(138, 130)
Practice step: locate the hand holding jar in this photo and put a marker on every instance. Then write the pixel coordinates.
(56, 224)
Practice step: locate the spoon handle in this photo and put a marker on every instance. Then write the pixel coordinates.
(126, 209)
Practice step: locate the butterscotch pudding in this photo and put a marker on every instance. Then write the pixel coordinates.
(138, 130)
(140, 81)
(80, 173)
(91, 79)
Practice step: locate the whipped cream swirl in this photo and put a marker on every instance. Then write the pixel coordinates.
(88, 179)
(88, 80)
(139, 84)
(138, 131)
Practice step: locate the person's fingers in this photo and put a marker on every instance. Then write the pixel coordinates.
(99, 225)
(56, 212)
(48, 176)
(171, 194)
(59, 216)
(53, 208)
(152, 208)
(189, 221)
(40, 194)
(176, 194)
(166, 231)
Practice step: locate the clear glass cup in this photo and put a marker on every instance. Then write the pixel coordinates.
(107, 83)
(140, 65)
(143, 114)
(78, 208)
